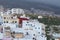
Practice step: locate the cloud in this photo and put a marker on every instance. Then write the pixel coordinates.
(52, 2)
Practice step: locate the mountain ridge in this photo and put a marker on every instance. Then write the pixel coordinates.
(28, 5)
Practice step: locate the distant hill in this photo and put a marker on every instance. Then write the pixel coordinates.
(28, 5)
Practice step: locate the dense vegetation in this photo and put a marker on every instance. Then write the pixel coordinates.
(50, 20)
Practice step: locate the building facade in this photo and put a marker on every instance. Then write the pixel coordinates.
(34, 29)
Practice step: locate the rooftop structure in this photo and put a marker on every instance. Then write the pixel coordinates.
(17, 11)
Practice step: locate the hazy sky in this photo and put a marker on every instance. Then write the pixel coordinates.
(52, 2)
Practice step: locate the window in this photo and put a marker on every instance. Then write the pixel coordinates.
(34, 38)
(31, 24)
(13, 32)
(27, 22)
(33, 34)
(38, 32)
(27, 33)
(42, 28)
(6, 21)
(15, 21)
(11, 17)
(43, 34)
(1, 30)
(12, 21)
(4, 17)
(35, 27)
(38, 27)
(16, 26)
(13, 36)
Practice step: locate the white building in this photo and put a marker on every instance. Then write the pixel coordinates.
(56, 36)
(31, 29)
(35, 29)
(1, 36)
(8, 12)
(17, 11)
(1, 20)
(24, 16)
(40, 16)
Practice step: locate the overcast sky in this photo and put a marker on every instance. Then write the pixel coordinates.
(52, 2)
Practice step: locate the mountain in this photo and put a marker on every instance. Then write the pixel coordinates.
(29, 4)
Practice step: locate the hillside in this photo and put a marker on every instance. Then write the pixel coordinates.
(28, 5)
